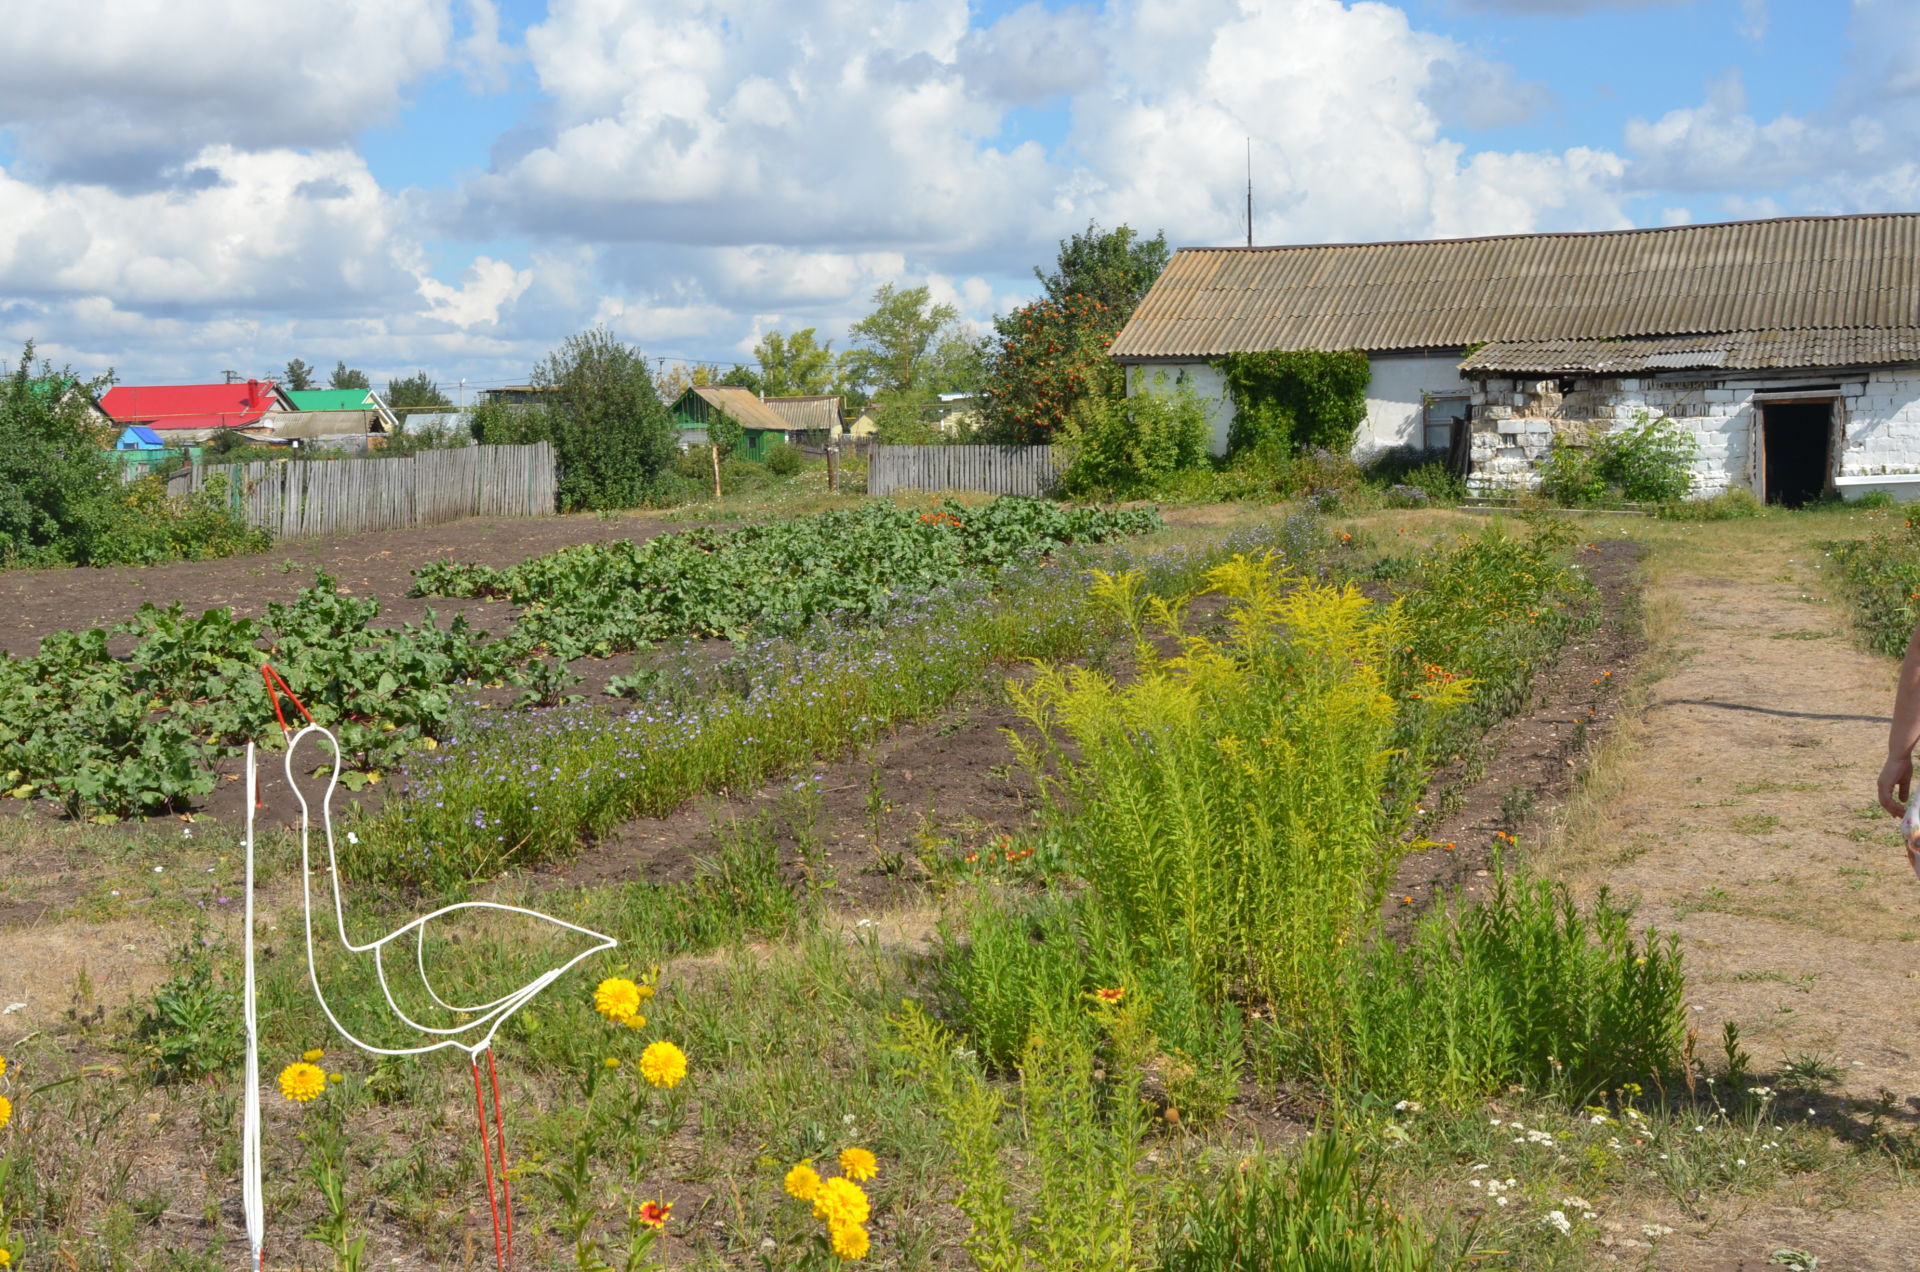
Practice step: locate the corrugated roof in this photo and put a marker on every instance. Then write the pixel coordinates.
(328, 399)
(1730, 350)
(818, 411)
(167, 406)
(744, 405)
(1805, 272)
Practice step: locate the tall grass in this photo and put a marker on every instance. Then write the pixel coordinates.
(1522, 987)
(1318, 1211)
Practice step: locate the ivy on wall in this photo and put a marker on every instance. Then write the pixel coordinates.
(1286, 401)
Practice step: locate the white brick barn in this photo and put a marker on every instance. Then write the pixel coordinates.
(1790, 347)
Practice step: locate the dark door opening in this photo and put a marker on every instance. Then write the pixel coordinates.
(1798, 438)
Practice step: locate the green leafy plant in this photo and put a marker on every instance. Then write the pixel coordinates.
(191, 1027)
(1126, 446)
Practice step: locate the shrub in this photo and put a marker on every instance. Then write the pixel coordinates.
(1225, 804)
(1881, 577)
(1319, 1211)
(1878, 500)
(1650, 460)
(145, 526)
(1132, 446)
(613, 439)
(1571, 475)
(56, 482)
(785, 459)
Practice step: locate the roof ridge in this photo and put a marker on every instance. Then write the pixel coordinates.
(1555, 234)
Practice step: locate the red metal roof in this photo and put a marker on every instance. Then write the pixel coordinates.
(165, 406)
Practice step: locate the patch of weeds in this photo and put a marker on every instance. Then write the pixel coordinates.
(1807, 1071)
(1756, 824)
(191, 1026)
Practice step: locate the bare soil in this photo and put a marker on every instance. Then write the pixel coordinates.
(34, 603)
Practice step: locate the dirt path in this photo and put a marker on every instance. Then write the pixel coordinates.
(1743, 818)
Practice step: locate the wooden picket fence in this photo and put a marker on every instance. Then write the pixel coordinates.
(995, 470)
(315, 499)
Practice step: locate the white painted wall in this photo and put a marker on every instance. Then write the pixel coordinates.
(1394, 395)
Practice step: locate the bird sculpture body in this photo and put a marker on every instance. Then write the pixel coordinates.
(474, 1026)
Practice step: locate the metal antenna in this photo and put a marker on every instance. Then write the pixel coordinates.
(1249, 192)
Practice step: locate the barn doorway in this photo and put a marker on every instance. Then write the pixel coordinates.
(1796, 450)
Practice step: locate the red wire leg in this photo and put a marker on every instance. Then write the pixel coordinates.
(486, 1160)
(500, 1141)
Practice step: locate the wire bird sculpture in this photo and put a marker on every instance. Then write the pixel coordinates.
(471, 1036)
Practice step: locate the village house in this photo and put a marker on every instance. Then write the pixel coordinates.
(812, 420)
(1790, 348)
(762, 427)
(182, 414)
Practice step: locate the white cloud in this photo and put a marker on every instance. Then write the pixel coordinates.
(139, 84)
(245, 237)
(490, 285)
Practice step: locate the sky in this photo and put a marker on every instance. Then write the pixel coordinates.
(189, 187)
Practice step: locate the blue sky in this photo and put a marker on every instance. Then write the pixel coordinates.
(482, 179)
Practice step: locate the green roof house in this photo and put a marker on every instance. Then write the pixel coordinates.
(341, 400)
(762, 427)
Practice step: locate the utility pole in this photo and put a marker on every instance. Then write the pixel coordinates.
(231, 376)
(1249, 192)
(463, 392)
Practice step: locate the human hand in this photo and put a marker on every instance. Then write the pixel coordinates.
(1896, 778)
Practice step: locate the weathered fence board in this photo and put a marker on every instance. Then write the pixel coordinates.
(995, 470)
(317, 499)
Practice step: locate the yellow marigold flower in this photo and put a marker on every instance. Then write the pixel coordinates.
(841, 1201)
(6, 1110)
(301, 1082)
(849, 1241)
(663, 1064)
(3, 1066)
(612, 1062)
(336, 1077)
(859, 1163)
(646, 991)
(803, 1181)
(636, 1021)
(617, 998)
(6, 1257)
(311, 1056)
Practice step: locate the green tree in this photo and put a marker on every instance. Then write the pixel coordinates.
(612, 435)
(1114, 267)
(345, 377)
(55, 479)
(795, 365)
(896, 348)
(299, 376)
(1049, 356)
(743, 377)
(416, 392)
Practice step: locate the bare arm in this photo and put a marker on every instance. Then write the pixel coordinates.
(1897, 776)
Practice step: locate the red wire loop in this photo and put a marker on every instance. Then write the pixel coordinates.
(277, 686)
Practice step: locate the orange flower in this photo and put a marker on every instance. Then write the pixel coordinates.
(1110, 995)
(655, 1214)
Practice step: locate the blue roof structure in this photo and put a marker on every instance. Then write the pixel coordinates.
(139, 437)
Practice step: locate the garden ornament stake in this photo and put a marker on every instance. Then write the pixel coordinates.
(472, 1036)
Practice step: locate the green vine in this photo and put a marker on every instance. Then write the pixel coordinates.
(1287, 401)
